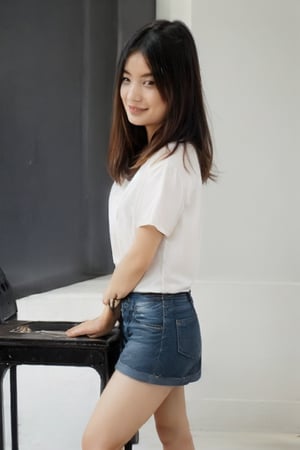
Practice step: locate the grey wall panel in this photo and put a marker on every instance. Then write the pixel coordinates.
(131, 15)
(56, 78)
(40, 132)
(99, 58)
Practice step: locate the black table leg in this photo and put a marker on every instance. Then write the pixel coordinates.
(3, 369)
(14, 408)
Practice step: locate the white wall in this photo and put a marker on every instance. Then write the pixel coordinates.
(249, 53)
(248, 293)
(168, 9)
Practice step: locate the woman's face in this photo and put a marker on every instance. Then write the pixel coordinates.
(142, 101)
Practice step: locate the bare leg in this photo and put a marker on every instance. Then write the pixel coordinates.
(172, 422)
(124, 406)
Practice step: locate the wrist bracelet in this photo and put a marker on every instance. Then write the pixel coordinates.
(113, 303)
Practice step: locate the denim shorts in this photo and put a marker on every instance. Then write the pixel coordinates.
(161, 339)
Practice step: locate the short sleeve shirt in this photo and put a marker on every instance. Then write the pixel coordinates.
(165, 193)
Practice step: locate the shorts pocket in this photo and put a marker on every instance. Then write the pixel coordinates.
(188, 337)
(149, 314)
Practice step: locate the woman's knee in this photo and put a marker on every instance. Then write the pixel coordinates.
(170, 434)
(164, 432)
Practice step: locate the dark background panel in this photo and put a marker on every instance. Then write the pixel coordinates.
(99, 59)
(56, 79)
(133, 14)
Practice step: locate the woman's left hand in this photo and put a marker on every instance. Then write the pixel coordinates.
(96, 327)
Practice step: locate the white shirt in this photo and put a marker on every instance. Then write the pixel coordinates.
(165, 193)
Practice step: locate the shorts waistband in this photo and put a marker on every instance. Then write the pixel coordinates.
(160, 295)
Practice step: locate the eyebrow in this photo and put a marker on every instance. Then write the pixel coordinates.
(149, 74)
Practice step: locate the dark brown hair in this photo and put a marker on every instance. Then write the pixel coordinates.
(170, 52)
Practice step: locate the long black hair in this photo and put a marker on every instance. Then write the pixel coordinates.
(170, 52)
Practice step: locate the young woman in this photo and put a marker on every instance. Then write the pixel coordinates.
(160, 154)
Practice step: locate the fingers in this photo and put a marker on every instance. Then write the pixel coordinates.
(83, 329)
(74, 331)
(92, 328)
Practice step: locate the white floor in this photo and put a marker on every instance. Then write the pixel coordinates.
(225, 441)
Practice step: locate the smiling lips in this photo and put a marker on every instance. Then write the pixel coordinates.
(135, 110)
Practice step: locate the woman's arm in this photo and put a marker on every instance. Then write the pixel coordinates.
(135, 263)
(125, 277)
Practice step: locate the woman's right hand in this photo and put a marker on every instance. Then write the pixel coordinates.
(96, 327)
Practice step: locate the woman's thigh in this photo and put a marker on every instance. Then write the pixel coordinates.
(123, 407)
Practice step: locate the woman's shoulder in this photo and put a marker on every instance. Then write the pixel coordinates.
(177, 156)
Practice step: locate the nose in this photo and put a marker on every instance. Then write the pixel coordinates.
(134, 92)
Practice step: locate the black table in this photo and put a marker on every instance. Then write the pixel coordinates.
(44, 343)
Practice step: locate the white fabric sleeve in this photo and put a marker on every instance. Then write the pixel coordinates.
(161, 198)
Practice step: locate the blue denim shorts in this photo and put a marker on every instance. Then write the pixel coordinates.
(161, 339)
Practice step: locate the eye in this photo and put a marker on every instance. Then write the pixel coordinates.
(149, 83)
(125, 80)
